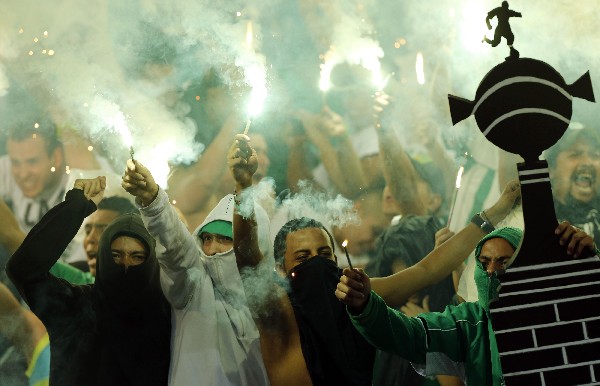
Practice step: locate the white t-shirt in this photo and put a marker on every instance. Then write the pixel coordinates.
(28, 211)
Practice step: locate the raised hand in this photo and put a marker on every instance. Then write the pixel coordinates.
(331, 123)
(575, 239)
(242, 161)
(354, 289)
(381, 103)
(93, 189)
(508, 199)
(138, 181)
(442, 236)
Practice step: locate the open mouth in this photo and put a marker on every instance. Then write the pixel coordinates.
(27, 186)
(584, 180)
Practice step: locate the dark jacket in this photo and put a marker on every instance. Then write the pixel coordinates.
(113, 332)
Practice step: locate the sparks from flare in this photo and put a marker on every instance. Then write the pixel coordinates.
(419, 68)
(255, 73)
(249, 35)
(344, 244)
(457, 185)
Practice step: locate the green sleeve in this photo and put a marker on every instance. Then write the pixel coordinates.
(71, 274)
(392, 331)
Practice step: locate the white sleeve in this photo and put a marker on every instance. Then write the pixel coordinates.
(180, 262)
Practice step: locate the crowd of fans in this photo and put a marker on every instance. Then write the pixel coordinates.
(208, 281)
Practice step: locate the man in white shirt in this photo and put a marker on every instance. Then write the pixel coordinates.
(32, 177)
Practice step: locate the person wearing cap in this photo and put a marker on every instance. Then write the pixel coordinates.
(113, 332)
(574, 164)
(215, 339)
(460, 340)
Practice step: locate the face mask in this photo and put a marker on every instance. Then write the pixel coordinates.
(488, 286)
(334, 351)
(126, 285)
(314, 279)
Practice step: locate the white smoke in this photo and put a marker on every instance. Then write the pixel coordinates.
(88, 61)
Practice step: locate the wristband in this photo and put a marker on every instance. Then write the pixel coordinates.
(485, 226)
(485, 217)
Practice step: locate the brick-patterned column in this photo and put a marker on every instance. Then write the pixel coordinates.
(547, 319)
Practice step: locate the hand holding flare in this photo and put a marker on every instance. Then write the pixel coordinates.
(138, 181)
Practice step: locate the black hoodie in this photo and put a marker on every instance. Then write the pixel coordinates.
(113, 332)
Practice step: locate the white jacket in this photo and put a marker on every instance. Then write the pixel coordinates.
(215, 340)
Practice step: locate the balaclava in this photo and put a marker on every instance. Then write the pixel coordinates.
(489, 286)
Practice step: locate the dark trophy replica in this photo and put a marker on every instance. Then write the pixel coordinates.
(547, 317)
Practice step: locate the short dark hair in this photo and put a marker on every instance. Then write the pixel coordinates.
(280, 246)
(117, 204)
(572, 136)
(22, 130)
(505, 4)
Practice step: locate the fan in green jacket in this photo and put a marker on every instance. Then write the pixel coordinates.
(459, 341)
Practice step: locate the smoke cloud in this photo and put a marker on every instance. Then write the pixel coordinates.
(116, 71)
(95, 63)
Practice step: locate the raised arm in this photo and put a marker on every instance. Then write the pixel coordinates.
(242, 162)
(397, 288)
(352, 169)
(312, 125)
(192, 187)
(48, 239)
(399, 172)
(160, 218)
(11, 237)
(297, 165)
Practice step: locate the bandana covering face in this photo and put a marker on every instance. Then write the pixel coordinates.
(134, 318)
(334, 351)
(488, 286)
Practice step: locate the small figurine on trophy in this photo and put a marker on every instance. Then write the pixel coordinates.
(502, 13)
